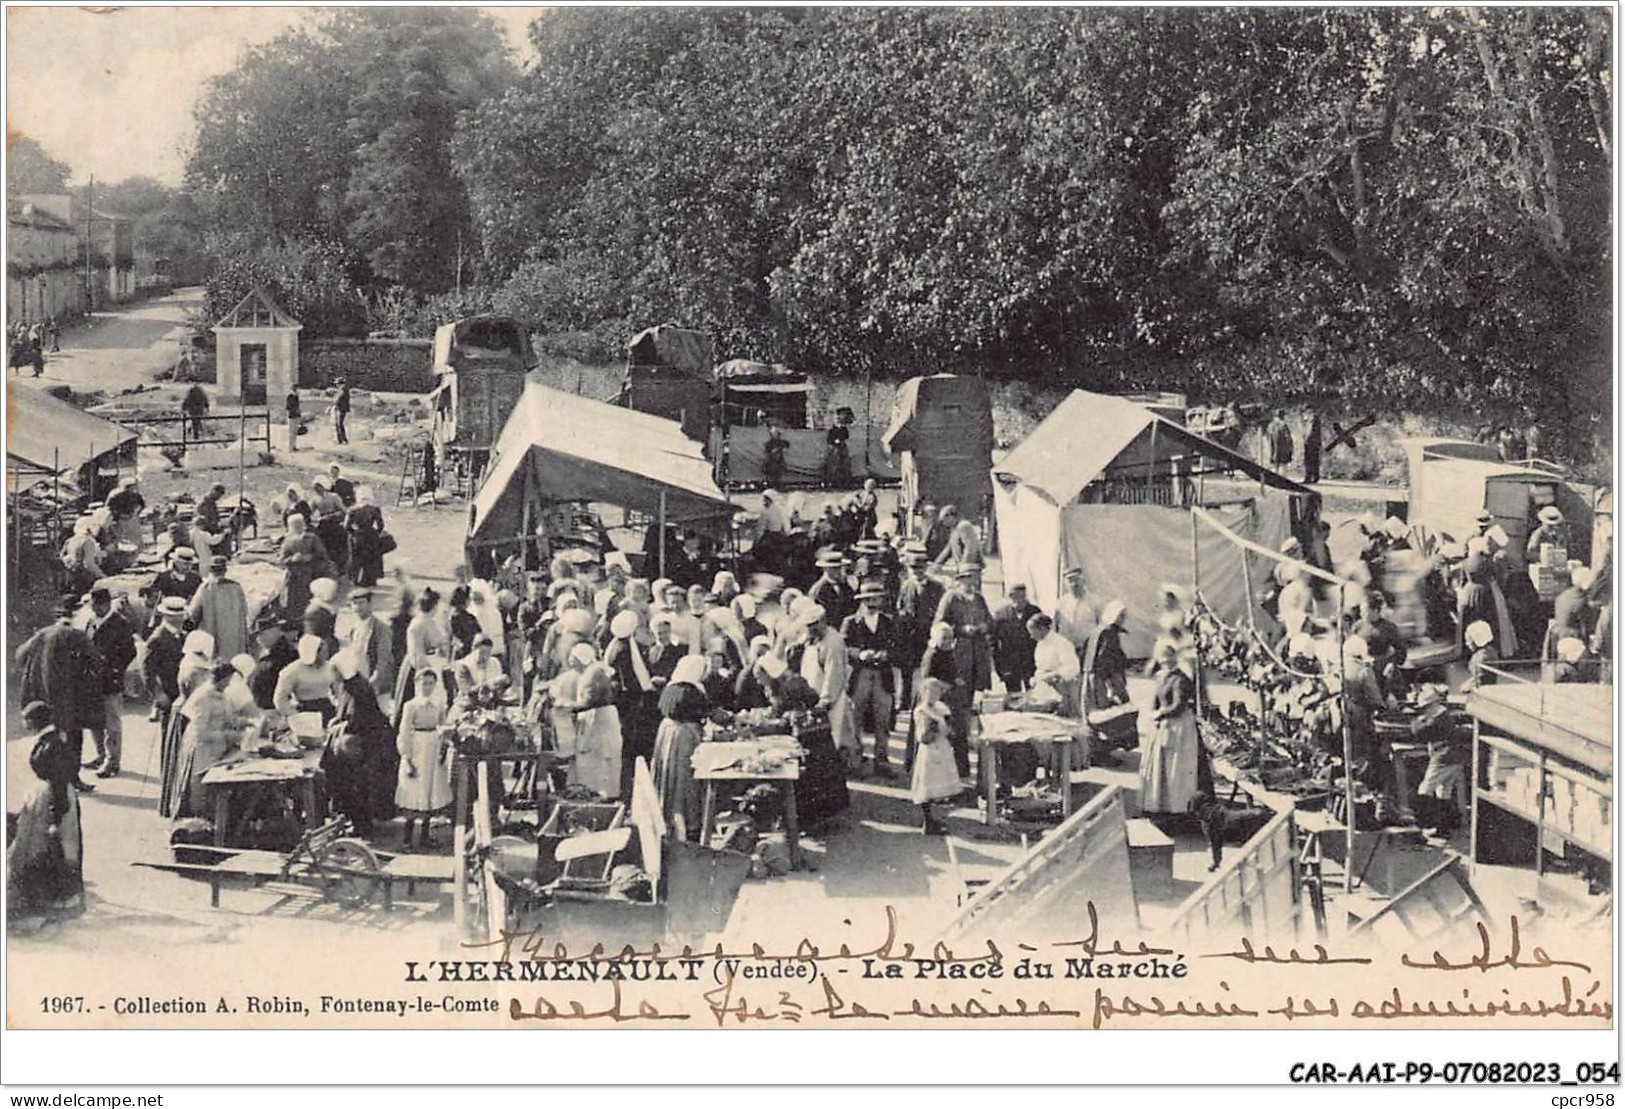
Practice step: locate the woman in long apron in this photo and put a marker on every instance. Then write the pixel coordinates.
(423, 785)
(214, 727)
(197, 665)
(1168, 756)
(598, 732)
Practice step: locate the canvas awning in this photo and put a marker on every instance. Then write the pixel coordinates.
(743, 375)
(1090, 434)
(560, 447)
(49, 435)
(672, 348)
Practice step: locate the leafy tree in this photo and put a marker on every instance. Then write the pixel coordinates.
(30, 169)
(339, 134)
(1386, 206)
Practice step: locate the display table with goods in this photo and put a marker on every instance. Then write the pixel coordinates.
(732, 763)
(1542, 778)
(264, 796)
(820, 788)
(272, 784)
(1061, 742)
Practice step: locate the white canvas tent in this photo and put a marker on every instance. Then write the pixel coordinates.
(559, 447)
(1105, 485)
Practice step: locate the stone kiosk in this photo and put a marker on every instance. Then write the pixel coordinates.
(256, 351)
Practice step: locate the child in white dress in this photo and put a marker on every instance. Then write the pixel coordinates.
(936, 776)
(423, 785)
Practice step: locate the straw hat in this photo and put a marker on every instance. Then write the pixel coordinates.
(171, 606)
(828, 560)
(1551, 514)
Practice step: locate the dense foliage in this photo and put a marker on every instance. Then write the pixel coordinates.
(338, 138)
(1390, 206)
(31, 169)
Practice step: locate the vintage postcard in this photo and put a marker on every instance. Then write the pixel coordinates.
(865, 518)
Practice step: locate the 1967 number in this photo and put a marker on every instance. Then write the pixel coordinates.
(62, 1004)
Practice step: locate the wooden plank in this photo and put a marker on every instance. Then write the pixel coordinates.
(649, 820)
(1084, 862)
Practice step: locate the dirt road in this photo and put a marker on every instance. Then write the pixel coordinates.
(114, 350)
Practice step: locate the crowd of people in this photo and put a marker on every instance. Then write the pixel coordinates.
(213, 666)
(27, 343)
(855, 616)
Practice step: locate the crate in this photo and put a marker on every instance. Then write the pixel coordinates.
(566, 819)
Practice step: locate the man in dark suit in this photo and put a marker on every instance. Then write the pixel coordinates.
(830, 592)
(871, 648)
(162, 663)
(114, 640)
(1012, 644)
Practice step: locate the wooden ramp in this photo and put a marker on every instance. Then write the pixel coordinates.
(1049, 891)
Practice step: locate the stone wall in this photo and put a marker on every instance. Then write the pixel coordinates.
(377, 365)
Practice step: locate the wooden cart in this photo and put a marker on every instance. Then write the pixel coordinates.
(328, 863)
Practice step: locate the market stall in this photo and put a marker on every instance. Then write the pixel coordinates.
(1543, 769)
(1108, 486)
(558, 448)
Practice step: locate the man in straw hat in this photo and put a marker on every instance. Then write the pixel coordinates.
(161, 663)
(871, 649)
(180, 578)
(831, 590)
(1552, 531)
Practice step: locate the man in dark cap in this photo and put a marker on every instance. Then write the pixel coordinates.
(220, 607)
(59, 667)
(871, 648)
(114, 641)
(1013, 645)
